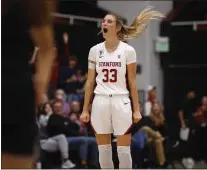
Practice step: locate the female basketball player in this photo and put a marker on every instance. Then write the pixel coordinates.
(111, 112)
(19, 18)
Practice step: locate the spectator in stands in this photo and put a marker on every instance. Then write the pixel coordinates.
(199, 130)
(68, 77)
(81, 80)
(92, 144)
(187, 109)
(199, 116)
(138, 142)
(76, 107)
(185, 113)
(151, 98)
(58, 143)
(55, 143)
(158, 119)
(82, 90)
(58, 124)
(60, 95)
(204, 103)
(156, 131)
(45, 114)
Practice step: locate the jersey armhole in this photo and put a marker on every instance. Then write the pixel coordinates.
(131, 62)
(125, 54)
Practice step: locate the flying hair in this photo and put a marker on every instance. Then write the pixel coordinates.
(138, 25)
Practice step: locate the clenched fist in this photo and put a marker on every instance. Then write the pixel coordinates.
(85, 117)
(137, 116)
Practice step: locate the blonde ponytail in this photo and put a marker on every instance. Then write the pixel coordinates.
(139, 24)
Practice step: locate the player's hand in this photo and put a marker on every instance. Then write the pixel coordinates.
(137, 116)
(85, 116)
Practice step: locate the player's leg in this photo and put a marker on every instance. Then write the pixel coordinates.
(124, 151)
(122, 122)
(101, 123)
(105, 151)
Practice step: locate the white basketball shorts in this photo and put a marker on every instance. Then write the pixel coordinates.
(111, 114)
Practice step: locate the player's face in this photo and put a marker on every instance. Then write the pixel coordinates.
(109, 23)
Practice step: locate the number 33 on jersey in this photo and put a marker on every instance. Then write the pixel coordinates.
(111, 67)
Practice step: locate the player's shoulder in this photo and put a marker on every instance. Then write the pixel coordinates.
(128, 48)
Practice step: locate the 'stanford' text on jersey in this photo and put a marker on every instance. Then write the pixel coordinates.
(111, 67)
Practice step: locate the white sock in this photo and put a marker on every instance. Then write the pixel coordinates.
(124, 155)
(105, 156)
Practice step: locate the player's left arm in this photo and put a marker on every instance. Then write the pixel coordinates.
(131, 71)
(131, 60)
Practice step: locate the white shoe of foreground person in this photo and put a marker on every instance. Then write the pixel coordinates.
(188, 163)
(68, 164)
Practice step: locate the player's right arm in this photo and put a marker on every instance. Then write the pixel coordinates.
(40, 18)
(90, 83)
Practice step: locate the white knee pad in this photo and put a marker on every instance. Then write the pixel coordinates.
(105, 156)
(124, 155)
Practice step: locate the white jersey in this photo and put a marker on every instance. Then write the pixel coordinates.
(111, 67)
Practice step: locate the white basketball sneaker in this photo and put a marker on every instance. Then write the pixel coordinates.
(68, 164)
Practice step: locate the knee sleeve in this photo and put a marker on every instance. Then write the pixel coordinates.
(124, 155)
(105, 156)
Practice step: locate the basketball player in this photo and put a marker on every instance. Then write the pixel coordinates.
(112, 111)
(20, 20)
